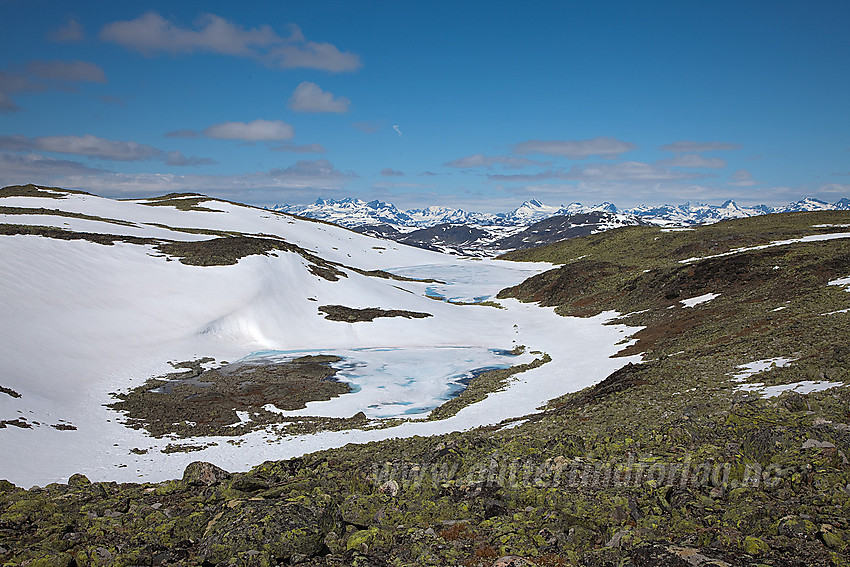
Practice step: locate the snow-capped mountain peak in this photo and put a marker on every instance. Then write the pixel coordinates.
(353, 212)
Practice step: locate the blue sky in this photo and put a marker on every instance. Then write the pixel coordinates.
(478, 105)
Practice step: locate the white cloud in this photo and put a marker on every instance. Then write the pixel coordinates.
(309, 97)
(480, 160)
(742, 178)
(690, 146)
(70, 32)
(313, 55)
(608, 148)
(693, 160)
(151, 34)
(256, 131)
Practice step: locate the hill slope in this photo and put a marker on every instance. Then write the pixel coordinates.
(141, 335)
(725, 442)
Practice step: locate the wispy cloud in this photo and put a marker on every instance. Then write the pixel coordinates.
(70, 32)
(623, 171)
(608, 148)
(309, 97)
(176, 158)
(310, 173)
(742, 178)
(480, 160)
(67, 71)
(300, 149)
(693, 160)
(151, 34)
(368, 127)
(690, 146)
(389, 172)
(404, 185)
(88, 145)
(836, 188)
(24, 168)
(303, 180)
(98, 148)
(39, 76)
(255, 131)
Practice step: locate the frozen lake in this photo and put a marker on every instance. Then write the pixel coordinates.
(397, 382)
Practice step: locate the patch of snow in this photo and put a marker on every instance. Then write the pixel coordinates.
(758, 366)
(843, 282)
(700, 299)
(802, 387)
(244, 417)
(513, 424)
(836, 312)
(809, 238)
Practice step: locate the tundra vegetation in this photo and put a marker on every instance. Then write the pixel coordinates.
(682, 459)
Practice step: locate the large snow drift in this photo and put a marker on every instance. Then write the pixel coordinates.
(81, 320)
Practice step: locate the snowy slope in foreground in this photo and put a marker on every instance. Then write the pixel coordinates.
(81, 320)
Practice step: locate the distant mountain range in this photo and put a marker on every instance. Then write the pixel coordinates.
(532, 223)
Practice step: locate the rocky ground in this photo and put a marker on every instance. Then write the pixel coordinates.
(197, 402)
(686, 459)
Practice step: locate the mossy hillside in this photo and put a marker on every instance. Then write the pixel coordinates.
(649, 247)
(31, 190)
(198, 402)
(467, 499)
(181, 201)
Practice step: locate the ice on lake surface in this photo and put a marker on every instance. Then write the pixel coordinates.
(469, 281)
(397, 382)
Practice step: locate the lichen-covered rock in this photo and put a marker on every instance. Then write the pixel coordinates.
(78, 481)
(201, 473)
(755, 546)
(796, 527)
(279, 528)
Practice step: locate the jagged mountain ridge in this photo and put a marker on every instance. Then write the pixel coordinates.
(352, 212)
(533, 223)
